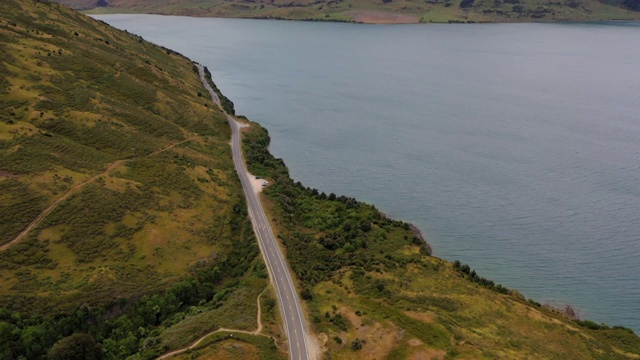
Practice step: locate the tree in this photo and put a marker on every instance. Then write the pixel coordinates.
(348, 248)
(465, 269)
(9, 341)
(305, 294)
(77, 346)
(35, 340)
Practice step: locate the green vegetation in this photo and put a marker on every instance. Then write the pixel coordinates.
(374, 291)
(225, 102)
(147, 327)
(147, 245)
(380, 11)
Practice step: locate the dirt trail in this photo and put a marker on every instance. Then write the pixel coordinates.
(259, 320)
(75, 189)
(256, 332)
(195, 344)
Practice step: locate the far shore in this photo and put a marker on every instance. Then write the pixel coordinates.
(371, 17)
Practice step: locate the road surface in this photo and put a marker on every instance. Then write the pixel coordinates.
(290, 306)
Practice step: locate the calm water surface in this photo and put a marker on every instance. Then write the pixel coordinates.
(515, 147)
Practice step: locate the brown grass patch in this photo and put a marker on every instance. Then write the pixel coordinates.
(52, 234)
(429, 354)
(10, 131)
(378, 17)
(118, 184)
(427, 317)
(104, 274)
(223, 350)
(381, 339)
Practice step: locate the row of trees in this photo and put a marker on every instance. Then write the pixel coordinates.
(473, 276)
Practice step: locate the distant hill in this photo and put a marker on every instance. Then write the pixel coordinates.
(379, 11)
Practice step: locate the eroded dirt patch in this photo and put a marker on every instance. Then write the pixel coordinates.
(427, 317)
(429, 354)
(4, 173)
(380, 338)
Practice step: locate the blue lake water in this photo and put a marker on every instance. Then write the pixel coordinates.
(514, 147)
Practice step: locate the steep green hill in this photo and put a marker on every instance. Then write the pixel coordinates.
(119, 170)
(116, 128)
(379, 11)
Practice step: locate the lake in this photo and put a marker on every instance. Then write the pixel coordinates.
(514, 147)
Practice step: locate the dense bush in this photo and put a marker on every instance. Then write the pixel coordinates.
(128, 326)
(324, 233)
(473, 276)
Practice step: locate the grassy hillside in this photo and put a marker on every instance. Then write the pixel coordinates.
(379, 11)
(80, 101)
(374, 292)
(122, 215)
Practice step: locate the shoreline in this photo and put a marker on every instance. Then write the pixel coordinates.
(369, 18)
(564, 309)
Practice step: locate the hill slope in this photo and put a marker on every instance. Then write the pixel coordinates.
(121, 210)
(81, 101)
(379, 11)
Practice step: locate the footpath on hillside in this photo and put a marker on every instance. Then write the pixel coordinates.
(76, 188)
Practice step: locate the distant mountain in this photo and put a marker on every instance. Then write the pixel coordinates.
(379, 11)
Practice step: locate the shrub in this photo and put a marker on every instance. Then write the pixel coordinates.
(356, 344)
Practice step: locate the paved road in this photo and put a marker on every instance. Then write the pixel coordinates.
(290, 307)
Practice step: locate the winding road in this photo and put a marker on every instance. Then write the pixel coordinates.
(301, 344)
